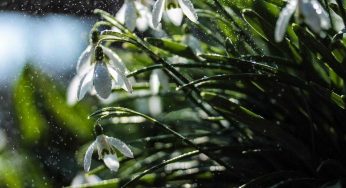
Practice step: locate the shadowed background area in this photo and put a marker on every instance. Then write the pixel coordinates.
(75, 7)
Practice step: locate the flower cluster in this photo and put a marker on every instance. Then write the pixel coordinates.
(99, 69)
(136, 13)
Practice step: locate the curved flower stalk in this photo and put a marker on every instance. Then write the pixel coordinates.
(106, 149)
(175, 9)
(135, 14)
(96, 72)
(310, 12)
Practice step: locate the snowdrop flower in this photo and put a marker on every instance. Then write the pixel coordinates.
(135, 14)
(175, 10)
(309, 11)
(105, 147)
(95, 73)
(84, 179)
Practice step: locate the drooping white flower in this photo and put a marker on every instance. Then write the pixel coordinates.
(105, 147)
(135, 14)
(98, 74)
(310, 12)
(175, 9)
(84, 179)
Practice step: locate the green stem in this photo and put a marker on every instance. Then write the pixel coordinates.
(178, 78)
(100, 24)
(182, 65)
(241, 31)
(105, 111)
(165, 162)
(252, 76)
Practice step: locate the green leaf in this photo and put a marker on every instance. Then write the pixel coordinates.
(244, 65)
(256, 123)
(329, 95)
(315, 45)
(265, 30)
(36, 97)
(31, 122)
(70, 118)
(173, 47)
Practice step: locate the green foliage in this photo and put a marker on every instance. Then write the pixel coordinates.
(36, 94)
(47, 125)
(283, 104)
(244, 111)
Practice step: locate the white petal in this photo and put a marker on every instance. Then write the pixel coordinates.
(85, 68)
(284, 18)
(78, 180)
(92, 179)
(85, 83)
(189, 10)
(130, 15)
(111, 161)
(315, 16)
(88, 155)
(102, 80)
(155, 105)
(142, 23)
(115, 59)
(120, 16)
(310, 16)
(175, 15)
(150, 23)
(158, 9)
(83, 179)
(158, 78)
(325, 21)
(193, 43)
(121, 146)
(84, 58)
(120, 79)
(72, 90)
(154, 82)
(115, 29)
(101, 144)
(144, 19)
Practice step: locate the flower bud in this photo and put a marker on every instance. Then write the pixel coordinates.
(98, 129)
(98, 53)
(94, 36)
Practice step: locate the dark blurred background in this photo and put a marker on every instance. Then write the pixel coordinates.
(74, 7)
